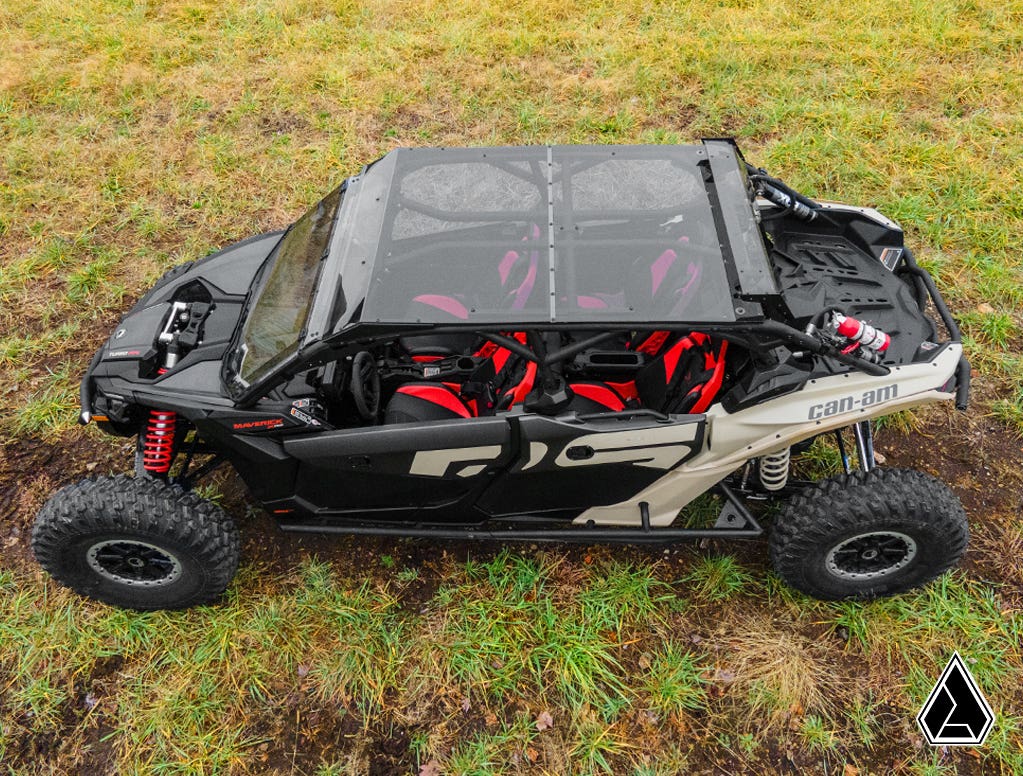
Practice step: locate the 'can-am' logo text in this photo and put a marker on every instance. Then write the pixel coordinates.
(850, 403)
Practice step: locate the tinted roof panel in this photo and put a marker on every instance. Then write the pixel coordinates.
(464, 237)
(634, 237)
(624, 234)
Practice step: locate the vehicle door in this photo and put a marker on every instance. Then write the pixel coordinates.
(429, 471)
(570, 463)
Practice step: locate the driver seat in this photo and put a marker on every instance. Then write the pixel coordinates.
(502, 382)
(422, 402)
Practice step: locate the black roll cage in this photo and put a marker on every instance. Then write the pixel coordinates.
(751, 329)
(763, 335)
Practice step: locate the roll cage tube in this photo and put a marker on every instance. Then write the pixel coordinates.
(543, 358)
(926, 287)
(326, 350)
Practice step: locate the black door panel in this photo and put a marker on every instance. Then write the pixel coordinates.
(400, 468)
(577, 464)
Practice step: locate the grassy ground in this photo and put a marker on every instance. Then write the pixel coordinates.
(139, 135)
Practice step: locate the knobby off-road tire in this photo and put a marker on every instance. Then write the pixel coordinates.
(138, 543)
(868, 534)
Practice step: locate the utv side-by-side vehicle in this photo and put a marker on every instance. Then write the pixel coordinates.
(568, 343)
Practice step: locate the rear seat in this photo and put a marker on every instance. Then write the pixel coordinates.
(684, 376)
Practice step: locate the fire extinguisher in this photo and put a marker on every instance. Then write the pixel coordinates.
(872, 341)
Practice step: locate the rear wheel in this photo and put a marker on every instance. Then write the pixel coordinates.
(138, 543)
(868, 534)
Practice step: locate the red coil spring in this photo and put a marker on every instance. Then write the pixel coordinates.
(158, 446)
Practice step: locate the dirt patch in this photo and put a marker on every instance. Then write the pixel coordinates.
(82, 740)
(282, 124)
(33, 469)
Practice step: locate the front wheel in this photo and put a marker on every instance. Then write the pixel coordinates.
(868, 534)
(138, 543)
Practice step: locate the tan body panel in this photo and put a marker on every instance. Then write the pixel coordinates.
(822, 405)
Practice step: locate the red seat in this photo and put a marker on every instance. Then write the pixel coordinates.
(419, 402)
(500, 384)
(686, 375)
(513, 376)
(591, 397)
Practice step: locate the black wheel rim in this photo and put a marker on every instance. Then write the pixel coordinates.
(871, 555)
(134, 563)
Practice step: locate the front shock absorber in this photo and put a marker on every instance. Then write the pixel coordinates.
(158, 443)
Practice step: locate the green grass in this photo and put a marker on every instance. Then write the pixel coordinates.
(503, 630)
(596, 746)
(485, 754)
(823, 458)
(717, 578)
(470, 674)
(367, 622)
(676, 680)
(816, 735)
(863, 721)
(1010, 409)
(47, 409)
(138, 136)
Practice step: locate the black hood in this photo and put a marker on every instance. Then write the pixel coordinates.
(127, 366)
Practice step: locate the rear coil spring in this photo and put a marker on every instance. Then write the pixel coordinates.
(774, 470)
(158, 445)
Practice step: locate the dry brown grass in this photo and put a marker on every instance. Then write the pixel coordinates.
(778, 673)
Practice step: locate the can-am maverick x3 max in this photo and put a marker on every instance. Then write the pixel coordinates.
(566, 343)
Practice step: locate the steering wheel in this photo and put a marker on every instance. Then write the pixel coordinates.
(366, 385)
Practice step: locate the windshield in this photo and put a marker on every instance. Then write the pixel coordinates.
(273, 326)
